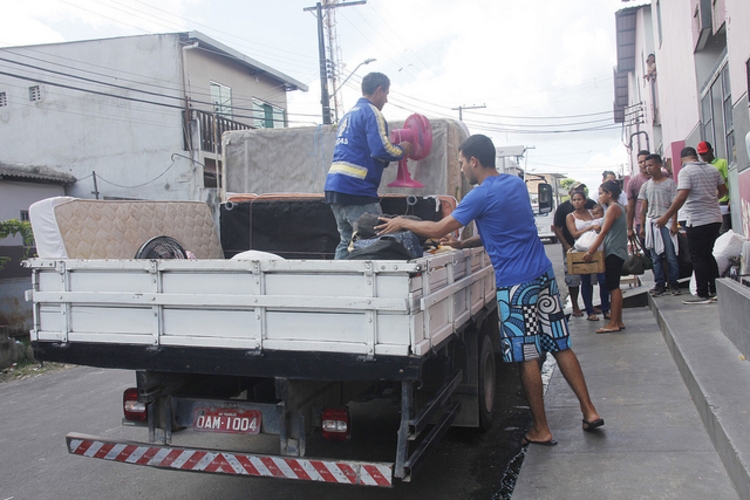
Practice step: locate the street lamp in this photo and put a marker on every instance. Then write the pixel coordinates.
(366, 61)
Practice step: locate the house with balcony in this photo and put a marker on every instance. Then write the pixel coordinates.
(135, 117)
(695, 88)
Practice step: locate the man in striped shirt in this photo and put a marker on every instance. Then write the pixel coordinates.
(697, 187)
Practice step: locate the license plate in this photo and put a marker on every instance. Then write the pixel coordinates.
(225, 420)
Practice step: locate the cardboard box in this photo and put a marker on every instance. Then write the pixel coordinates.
(576, 264)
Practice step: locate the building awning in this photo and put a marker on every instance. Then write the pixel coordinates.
(35, 173)
(621, 95)
(625, 21)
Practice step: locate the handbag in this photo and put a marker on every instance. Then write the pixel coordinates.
(637, 262)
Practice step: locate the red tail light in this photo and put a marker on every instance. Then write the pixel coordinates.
(135, 411)
(335, 424)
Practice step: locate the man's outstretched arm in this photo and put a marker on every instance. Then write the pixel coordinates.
(424, 228)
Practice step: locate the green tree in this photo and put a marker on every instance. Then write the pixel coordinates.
(12, 227)
(565, 185)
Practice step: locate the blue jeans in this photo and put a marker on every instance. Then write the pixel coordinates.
(587, 292)
(346, 216)
(670, 256)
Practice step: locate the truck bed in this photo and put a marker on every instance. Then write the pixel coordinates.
(230, 317)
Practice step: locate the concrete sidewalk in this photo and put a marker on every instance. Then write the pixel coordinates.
(675, 396)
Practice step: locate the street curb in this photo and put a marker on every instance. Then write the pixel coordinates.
(717, 377)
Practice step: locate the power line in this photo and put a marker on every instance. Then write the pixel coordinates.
(129, 89)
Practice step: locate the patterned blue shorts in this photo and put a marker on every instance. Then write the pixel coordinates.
(532, 320)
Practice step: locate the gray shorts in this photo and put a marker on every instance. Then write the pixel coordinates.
(571, 280)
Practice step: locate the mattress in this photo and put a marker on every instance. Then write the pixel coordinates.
(71, 228)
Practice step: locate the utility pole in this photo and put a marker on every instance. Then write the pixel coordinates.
(96, 188)
(462, 108)
(324, 96)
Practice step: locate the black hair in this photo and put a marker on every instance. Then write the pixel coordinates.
(480, 147)
(578, 191)
(654, 157)
(608, 172)
(688, 152)
(372, 81)
(643, 152)
(612, 188)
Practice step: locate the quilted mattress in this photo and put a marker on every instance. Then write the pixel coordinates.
(71, 228)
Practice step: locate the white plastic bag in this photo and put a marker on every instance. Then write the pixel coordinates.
(728, 245)
(584, 242)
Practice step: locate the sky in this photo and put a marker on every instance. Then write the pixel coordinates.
(541, 70)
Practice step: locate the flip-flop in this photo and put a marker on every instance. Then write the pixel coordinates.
(526, 441)
(590, 426)
(593, 317)
(608, 330)
(578, 314)
(607, 315)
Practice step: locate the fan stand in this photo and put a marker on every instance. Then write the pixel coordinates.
(403, 179)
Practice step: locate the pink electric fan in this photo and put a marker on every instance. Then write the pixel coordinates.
(418, 131)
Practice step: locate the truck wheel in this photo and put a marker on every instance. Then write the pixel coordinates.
(487, 382)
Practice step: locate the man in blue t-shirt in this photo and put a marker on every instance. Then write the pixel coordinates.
(532, 321)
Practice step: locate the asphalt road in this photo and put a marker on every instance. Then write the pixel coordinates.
(37, 413)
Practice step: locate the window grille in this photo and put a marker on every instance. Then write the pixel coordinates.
(35, 93)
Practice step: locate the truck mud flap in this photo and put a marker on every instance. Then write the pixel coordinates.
(232, 463)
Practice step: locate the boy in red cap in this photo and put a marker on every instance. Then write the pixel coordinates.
(707, 154)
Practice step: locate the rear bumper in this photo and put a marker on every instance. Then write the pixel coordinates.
(232, 463)
(232, 362)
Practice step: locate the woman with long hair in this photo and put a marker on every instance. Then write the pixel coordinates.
(614, 235)
(581, 221)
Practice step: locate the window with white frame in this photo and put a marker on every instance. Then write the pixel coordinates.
(267, 115)
(221, 98)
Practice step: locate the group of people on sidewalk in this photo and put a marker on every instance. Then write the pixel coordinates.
(656, 208)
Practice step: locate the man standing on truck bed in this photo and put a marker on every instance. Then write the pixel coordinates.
(531, 315)
(362, 151)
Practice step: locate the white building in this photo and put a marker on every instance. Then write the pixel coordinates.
(699, 87)
(134, 117)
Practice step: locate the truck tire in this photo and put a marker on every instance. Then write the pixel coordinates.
(487, 383)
